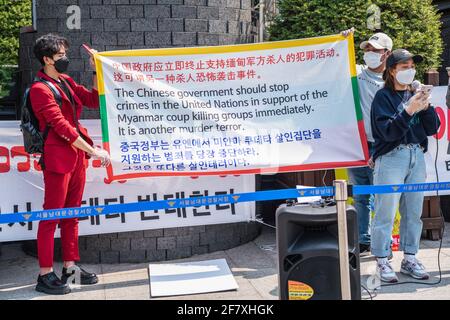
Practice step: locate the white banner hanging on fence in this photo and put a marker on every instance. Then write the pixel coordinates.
(22, 190)
(443, 147)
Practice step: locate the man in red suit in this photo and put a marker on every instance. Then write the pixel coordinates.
(66, 150)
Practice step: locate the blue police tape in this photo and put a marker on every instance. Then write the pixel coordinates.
(401, 188)
(212, 200)
(162, 204)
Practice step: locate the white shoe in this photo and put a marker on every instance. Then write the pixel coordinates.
(415, 269)
(385, 271)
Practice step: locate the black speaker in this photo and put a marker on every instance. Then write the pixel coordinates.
(308, 253)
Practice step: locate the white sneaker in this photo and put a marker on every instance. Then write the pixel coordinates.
(385, 271)
(415, 269)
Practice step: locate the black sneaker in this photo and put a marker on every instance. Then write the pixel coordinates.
(364, 248)
(50, 283)
(85, 277)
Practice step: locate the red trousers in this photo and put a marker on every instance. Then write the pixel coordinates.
(61, 191)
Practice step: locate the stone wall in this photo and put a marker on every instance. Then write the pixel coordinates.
(136, 24)
(158, 245)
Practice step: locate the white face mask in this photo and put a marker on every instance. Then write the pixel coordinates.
(372, 59)
(406, 77)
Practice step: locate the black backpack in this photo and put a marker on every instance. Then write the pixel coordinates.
(33, 139)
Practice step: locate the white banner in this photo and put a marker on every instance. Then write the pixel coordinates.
(442, 149)
(22, 190)
(267, 107)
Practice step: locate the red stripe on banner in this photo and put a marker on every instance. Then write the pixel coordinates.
(363, 137)
(109, 169)
(303, 167)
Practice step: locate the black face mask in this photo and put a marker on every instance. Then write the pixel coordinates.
(62, 64)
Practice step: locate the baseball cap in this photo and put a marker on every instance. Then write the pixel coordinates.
(379, 40)
(400, 55)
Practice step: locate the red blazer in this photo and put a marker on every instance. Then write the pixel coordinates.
(59, 154)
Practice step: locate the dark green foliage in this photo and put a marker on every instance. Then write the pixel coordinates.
(14, 14)
(412, 24)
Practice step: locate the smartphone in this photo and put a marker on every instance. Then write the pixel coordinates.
(426, 88)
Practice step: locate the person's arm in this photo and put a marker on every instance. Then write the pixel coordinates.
(100, 154)
(430, 121)
(89, 98)
(92, 52)
(390, 125)
(43, 103)
(393, 125)
(81, 144)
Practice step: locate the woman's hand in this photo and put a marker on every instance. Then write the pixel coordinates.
(417, 103)
(426, 98)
